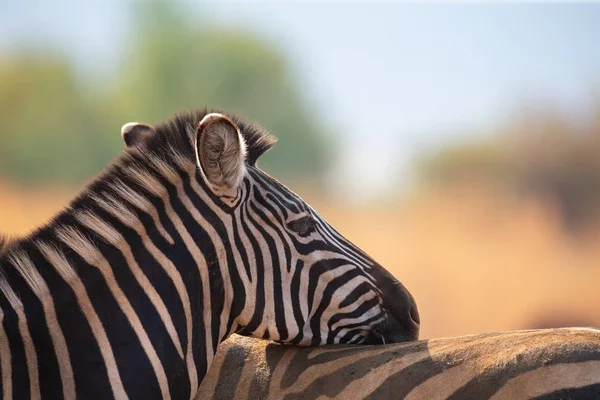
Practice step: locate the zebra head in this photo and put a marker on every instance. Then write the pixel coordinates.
(286, 274)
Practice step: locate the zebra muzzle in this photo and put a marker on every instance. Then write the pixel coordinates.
(403, 322)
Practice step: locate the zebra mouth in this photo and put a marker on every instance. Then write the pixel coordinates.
(391, 331)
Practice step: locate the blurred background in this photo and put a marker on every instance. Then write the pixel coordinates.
(458, 144)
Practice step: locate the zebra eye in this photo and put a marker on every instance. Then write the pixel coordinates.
(303, 225)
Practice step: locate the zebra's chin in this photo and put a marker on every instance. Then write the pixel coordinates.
(391, 331)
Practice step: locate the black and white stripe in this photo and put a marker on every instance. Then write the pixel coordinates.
(182, 241)
(544, 364)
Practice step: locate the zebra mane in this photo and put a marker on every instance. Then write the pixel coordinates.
(169, 149)
(5, 242)
(178, 132)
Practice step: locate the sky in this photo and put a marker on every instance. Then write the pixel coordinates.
(389, 78)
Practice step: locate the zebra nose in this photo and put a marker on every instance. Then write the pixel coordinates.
(414, 315)
(413, 321)
(404, 320)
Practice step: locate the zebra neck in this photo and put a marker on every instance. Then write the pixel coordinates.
(131, 277)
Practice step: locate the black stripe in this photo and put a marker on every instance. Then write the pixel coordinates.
(259, 307)
(89, 370)
(132, 362)
(183, 260)
(359, 311)
(488, 383)
(216, 280)
(279, 228)
(343, 246)
(231, 372)
(399, 384)
(192, 278)
(260, 381)
(330, 289)
(590, 392)
(151, 267)
(278, 190)
(360, 290)
(143, 307)
(297, 309)
(277, 280)
(240, 245)
(277, 203)
(314, 275)
(353, 336)
(48, 372)
(333, 383)
(20, 375)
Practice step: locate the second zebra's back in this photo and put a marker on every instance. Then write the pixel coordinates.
(542, 364)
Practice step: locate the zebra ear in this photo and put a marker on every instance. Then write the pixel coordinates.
(220, 153)
(134, 132)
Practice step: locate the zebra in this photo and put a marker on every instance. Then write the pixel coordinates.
(180, 242)
(544, 364)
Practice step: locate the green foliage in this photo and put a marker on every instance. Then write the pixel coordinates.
(52, 127)
(538, 154)
(49, 128)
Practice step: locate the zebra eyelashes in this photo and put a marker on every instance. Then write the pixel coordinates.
(303, 226)
(134, 132)
(220, 153)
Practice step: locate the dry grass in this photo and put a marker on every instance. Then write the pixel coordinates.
(22, 210)
(475, 261)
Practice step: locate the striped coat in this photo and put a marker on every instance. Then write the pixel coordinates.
(542, 364)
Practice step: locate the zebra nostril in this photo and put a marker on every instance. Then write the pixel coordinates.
(405, 320)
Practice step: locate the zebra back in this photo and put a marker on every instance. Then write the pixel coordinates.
(543, 364)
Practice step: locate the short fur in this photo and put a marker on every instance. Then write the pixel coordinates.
(134, 133)
(221, 152)
(552, 364)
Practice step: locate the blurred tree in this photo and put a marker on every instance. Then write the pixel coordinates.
(49, 128)
(538, 154)
(178, 64)
(54, 128)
